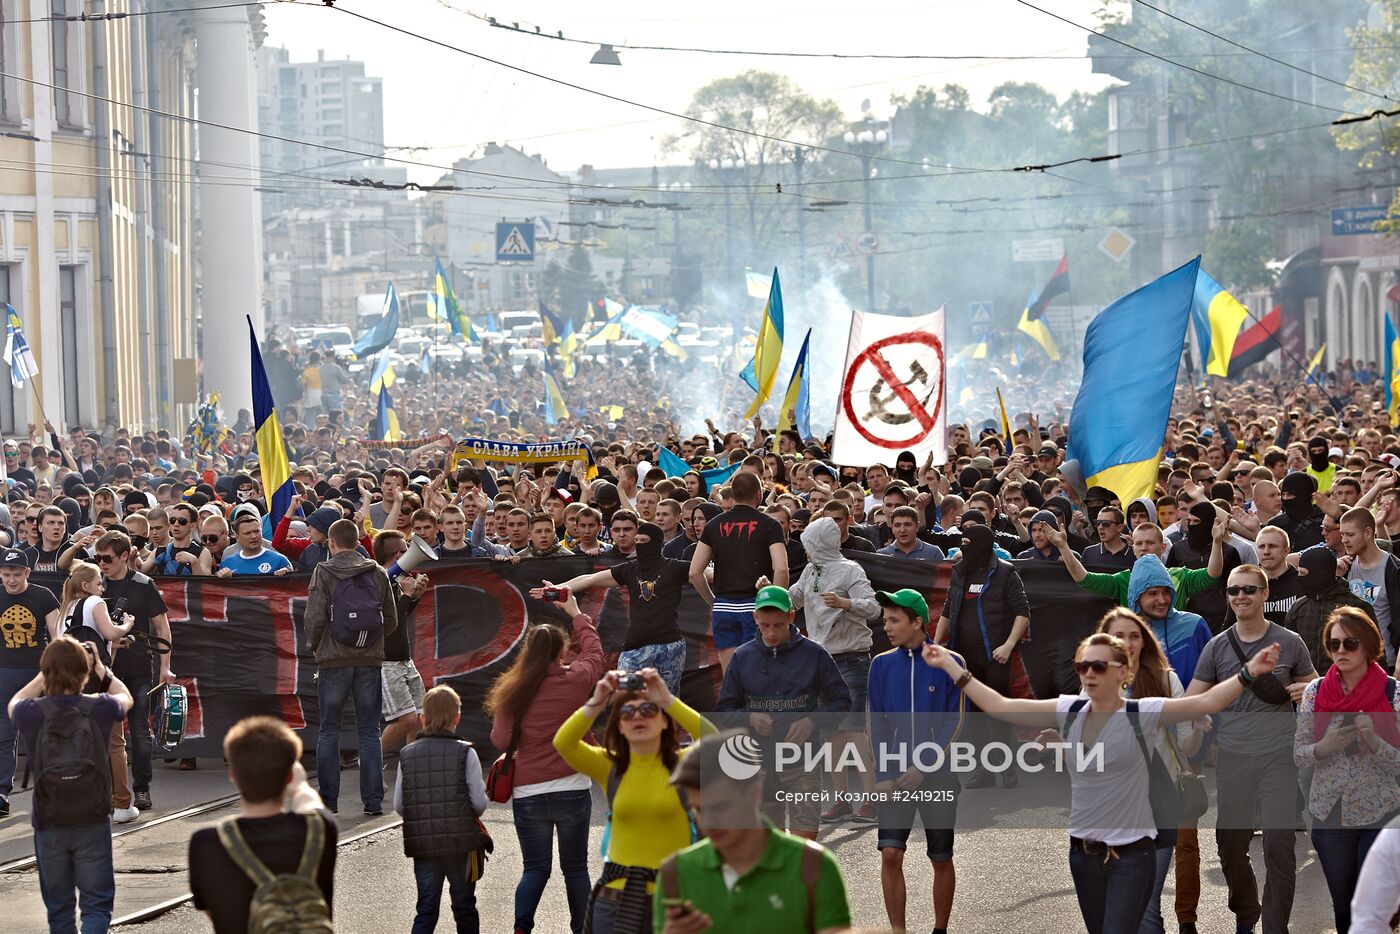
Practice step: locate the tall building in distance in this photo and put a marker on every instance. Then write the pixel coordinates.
(330, 103)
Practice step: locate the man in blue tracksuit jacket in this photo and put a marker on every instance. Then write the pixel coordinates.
(776, 677)
(1183, 634)
(913, 704)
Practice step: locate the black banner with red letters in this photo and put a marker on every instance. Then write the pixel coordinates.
(239, 645)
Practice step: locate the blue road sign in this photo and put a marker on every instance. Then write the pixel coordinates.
(515, 242)
(1349, 222)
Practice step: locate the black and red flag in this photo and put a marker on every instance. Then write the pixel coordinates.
(1256, 342)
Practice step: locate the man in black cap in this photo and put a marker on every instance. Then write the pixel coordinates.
(28, 621)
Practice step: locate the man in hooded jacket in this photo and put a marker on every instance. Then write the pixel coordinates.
(1323, 593)
(984, 616)
(839, 604)
(1300, 518)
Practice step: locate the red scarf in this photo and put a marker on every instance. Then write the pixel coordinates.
(1367, 697)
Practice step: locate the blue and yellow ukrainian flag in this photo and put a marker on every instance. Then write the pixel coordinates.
(387, 420)
(1120, 415)
(444, 306)
(382, 334)
(798, 399)
(1391, 373)
(552, 329)
(1005, 424)
(1316, 371)
(1218, 317)
(383, 375)
(554, 406)
(768, 352)
(275, 472)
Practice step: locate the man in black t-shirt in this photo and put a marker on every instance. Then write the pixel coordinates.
(129, 591)
(53, 541)
(28, 621)
(745, 545)
(655, 586)
(276, 807)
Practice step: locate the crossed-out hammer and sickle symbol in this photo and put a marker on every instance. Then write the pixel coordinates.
(879, 405)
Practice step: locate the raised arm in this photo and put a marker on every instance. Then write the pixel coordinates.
(1057, 538)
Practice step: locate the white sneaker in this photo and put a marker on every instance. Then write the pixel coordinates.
(125, 815)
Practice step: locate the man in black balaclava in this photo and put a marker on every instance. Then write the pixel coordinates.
(1320, 467)
(1300, 518)
(1095, 498)
(655, 584)
(906, 469)
(1193, 551)
(984, 616)
(608, 501)
(1323, 593)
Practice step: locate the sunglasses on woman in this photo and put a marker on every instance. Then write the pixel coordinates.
(1246, 589)
(646, 710)
(1098, 666)
(1350, 643)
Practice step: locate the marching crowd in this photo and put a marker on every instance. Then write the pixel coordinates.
(1254, 639)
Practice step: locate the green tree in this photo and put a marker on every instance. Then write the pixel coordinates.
(1376, 67)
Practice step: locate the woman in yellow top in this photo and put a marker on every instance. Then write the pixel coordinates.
(641, 745)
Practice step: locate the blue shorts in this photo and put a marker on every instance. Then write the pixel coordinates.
(731, 621)
(667, 658)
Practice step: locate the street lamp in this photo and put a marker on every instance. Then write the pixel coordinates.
(866, 141)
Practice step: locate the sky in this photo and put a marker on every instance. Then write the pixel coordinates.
(440, 98)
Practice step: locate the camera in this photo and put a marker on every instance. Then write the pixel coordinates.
(630, 681)
(554, 594)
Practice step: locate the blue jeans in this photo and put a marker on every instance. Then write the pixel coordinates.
(333, 687)
(1113, 893)
(537, 818)
(1341, 851)
(77, 858)
(1152, 918)
(11, 680)
(430, 874)
(141, 746)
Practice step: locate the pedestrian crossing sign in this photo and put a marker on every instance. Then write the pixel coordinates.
(515, 242)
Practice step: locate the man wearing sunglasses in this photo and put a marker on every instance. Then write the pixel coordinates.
(1112, 550)
(180, 556)
(1255, 763)
(129, 591)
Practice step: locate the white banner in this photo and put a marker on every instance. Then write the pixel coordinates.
(893, 391)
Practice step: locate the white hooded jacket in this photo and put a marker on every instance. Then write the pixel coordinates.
(828, 571)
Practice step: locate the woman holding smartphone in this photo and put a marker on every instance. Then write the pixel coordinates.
(1112, 857)
(648, 819)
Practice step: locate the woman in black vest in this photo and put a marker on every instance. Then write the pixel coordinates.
(441, 795)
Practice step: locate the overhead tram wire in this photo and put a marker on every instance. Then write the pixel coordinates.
(1264, 55)
(1177, 64)
(86, 17)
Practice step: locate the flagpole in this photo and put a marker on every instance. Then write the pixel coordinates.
(1289, 354)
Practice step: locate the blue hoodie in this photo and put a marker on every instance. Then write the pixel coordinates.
(1183, 635)
(909, 699)
(798, 676)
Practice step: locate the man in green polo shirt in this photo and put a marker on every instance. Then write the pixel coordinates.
(746, 876)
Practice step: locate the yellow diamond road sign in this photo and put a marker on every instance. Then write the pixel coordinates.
(1116, 244)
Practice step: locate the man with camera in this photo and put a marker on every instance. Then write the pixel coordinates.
(129, 591)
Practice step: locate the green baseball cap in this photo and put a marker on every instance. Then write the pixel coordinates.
(908, 598)
(774, 597)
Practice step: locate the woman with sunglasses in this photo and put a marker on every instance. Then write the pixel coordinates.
(1112, 856)
(648, 819)
(1347, 733)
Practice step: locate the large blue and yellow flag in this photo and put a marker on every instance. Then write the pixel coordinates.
(768, 352)
(1120, 415)
(1391, 372)
(444, 306)
(386, 421)
(275, 472)
(554, 406)
(1218, 317)
(795, 414)
(552, 329)
(382, 334)
(383, 375)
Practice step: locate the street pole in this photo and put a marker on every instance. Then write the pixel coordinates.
(869, 226)
(799, 157)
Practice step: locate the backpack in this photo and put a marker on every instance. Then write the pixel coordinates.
(615, 779)
(1162, 790)
(357, 610)
(283, 904)
(73, 778)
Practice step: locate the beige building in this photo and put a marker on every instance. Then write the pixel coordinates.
(98, 201)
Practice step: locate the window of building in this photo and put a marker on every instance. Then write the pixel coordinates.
(72, 361)
(62, 72)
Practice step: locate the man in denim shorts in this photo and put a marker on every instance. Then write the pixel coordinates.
(745, 545)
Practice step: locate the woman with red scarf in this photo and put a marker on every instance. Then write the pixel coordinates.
(1348, 734)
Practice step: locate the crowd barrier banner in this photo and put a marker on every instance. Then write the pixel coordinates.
(240, 648)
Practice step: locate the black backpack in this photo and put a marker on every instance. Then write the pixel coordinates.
(73, 778)
(357, 610)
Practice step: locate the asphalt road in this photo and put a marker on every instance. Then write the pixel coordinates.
(1011, 877)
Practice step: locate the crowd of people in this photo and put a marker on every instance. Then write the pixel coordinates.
(1254, 640)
